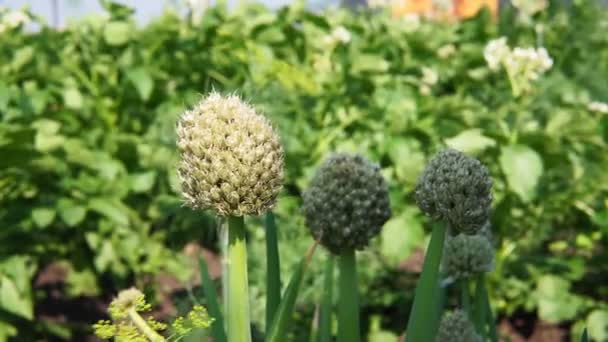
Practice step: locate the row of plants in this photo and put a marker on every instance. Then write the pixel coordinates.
(88, 175)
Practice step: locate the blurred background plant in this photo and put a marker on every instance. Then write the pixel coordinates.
(89, 193)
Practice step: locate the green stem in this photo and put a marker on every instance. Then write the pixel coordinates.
(143, 327)
(422, 324)
(348, 305)
(327, 301)
(224, 250)
(273, 270)
(490, 318)
(237, 311)
(479, 305)
(465, 298)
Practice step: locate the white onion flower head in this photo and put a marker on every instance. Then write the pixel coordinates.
(231, 158)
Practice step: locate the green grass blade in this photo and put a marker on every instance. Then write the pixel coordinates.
(420, 327)
(348, 300)
(237, 312)
(479, 305)
(282, 319)
(327, 301)
(584, 337)
(493, 334)
(273, 269)
(217, 327)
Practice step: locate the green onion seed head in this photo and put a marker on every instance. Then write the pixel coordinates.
(456, 188)
(231, 158)
(347, 203)
(455, 326)
(467, 255)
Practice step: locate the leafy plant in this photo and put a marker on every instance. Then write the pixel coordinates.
(87, 139)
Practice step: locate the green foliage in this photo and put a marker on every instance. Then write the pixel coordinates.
(87, 167)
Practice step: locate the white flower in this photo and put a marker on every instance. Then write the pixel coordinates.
(496, 52)
(341, 34)
(378, 3)
(599, 107)
(15, 18)
(425, 90)
(546, 62)
(523, 65)
(530, 7)
(411, 22)
(429, 76)
(446, 51)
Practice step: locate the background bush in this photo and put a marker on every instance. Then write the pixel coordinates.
(87, 155)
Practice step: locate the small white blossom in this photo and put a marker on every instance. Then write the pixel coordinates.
(411, 22)
(15, 18)
(446, 51)
(523, 65)
(545, 60)
(495, 52)
(530, 7)
(378, 3)
(424, 90)
(429, 76)
(339, 35)
(342, 35)
(599, 107)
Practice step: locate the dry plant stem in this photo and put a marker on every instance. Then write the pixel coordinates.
(237, 311)
(143, 327)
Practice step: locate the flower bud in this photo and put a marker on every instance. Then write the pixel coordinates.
(231, 158)
(455, 326)
(347, 203)
(467, 255)
(456, 188)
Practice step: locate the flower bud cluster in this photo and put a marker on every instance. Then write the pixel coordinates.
(455, 326)
(347, 203)
(231, 158)
(466, 256)
(456, 188)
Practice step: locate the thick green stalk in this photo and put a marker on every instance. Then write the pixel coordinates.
(348, 304)
(327, 301)
(585, 337)
(422, 324)
(143, 327)
(237, 311)
(479, 305)
(465, 301)
(273, 270)
(490, 319)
